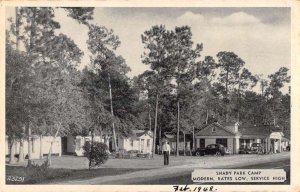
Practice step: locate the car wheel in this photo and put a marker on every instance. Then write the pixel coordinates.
(218, 153)
(197, 153)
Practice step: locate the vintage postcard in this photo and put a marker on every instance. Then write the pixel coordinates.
(153, 96)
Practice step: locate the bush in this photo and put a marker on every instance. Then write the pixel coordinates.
(98, 154)
(36, 171)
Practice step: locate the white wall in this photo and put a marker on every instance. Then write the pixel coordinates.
(210, 141)
(36, 146)
(197, 143)
(125, 143)
(75, 144)
(56, 148)
(284, 144)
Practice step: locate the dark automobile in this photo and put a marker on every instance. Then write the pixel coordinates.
(212, 149)
(256, 148)
(244, 150)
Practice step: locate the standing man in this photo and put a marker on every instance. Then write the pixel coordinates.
(166, 150)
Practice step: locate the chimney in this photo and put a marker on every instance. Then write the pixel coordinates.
(236, 127)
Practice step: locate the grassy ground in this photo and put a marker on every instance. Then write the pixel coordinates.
(32, 176)
(68, 168)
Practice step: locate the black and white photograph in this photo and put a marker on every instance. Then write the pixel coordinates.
(178, 96)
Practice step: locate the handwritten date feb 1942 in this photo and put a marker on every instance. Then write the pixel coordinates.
(193, 188)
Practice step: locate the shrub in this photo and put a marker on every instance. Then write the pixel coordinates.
(98, 154)
(36, 171)
(121, 153)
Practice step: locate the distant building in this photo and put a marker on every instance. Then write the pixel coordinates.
(284, 143)
(184, 140)
(74, 144)
(234, 136)
(40, 146)
(62, 145)
(141, 140)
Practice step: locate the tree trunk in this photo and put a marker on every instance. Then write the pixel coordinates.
(206, 120)
(159, 139)
(183, 143)
(155, 126)
(226, 96)
(30, 49)
(41, 146)
(238, 106)
(92, 149)
(29, 145)
(194, 148)
(101, 135)
(11, 151)
(150, 127)
(149, 116)
(177, 136)
(112, 114)
(17, 29)
(21, 152)
(50, 150)
(32, 26)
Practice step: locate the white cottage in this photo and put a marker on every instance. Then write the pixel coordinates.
(141, 140)
(73, 145)
(40, 146)
(285, 142)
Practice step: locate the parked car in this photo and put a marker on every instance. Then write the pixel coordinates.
(212, 149)
(244, 150)
(255, 148)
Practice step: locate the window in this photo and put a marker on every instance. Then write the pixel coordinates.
(242, 143)
(202, 143)
(131, 142)
(222, 142)
(148, 142)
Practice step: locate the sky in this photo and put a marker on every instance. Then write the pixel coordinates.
(260, 36)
